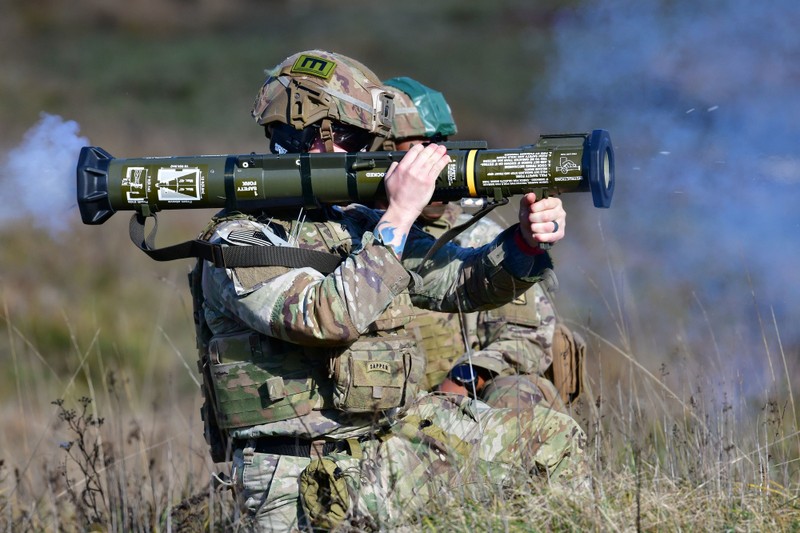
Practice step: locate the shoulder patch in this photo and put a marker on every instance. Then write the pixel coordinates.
(313, 66)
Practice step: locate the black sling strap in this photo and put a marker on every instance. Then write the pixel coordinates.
(250, 256)
(450, 234)
(230, 256)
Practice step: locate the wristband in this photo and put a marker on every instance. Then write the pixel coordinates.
(523, 246)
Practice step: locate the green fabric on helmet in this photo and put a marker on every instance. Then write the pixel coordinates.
(431, 106)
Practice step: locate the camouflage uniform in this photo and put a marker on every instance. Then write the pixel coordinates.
(313, 379)
(281, 335)
(513, 342)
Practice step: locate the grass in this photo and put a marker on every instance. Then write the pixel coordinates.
(677, 442)
(96, 454)
(100, 457)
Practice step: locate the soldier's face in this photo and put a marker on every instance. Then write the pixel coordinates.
(406, 145)
(319, 146)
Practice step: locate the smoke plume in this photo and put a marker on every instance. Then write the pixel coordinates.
(703, 236)
(38, 176)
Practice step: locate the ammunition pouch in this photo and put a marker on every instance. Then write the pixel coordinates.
(567, 370)
(323, 494)
(377, 373)
(258, 379)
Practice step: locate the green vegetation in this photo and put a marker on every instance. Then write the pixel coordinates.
(92, 324)
(113, 461)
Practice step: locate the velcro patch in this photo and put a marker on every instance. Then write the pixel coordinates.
(378, 366)
(313, 66)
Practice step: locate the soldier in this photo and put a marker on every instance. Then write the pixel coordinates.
(312, 380)
(515, 342)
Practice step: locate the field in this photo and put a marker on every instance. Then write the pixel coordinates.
(693, 360)
(108, 447)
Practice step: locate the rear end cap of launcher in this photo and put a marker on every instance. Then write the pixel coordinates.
(92, 172)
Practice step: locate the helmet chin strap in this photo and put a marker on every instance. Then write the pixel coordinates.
(326, 134)
(377, 144)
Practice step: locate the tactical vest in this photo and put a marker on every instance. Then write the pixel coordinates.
(215, 437)
(254, 379)
(523, 310)
(441, 335)
(258, 379)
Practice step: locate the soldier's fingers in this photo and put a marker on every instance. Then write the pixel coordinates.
(427, 164)
(392, 168)
(411, 155)
(551, 231)
(525, 204)
(437, 160)
(556, 212)
(548, 227)
(546, 204)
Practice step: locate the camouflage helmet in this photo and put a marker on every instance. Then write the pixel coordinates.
(316, 86)
(420, 112)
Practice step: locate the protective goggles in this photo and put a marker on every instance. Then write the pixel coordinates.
(284, 139)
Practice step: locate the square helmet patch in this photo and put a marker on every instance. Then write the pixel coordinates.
(311, 65)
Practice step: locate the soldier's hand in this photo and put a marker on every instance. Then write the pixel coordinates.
(409, 187)
(541, 221)
(410, 183)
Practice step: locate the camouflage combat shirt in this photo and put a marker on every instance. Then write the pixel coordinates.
(371, 292)
(513, 339)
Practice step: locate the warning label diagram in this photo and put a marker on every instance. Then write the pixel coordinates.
(566, 165)
(133, 185)
(172, 184)
(179, 184)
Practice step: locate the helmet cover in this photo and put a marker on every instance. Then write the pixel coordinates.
(420, 112)
(310, 86)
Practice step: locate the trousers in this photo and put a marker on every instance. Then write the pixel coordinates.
(442, 446)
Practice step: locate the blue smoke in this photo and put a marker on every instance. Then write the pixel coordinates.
(38, 176)
(703, 235)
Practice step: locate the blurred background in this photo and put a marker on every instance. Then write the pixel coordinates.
(685, 288)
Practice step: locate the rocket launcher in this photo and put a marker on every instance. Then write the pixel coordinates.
(555, 164)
